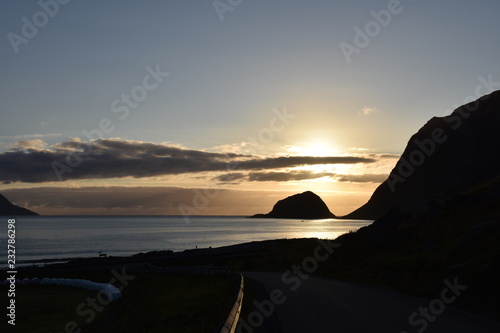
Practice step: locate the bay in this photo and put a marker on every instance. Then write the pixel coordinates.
(63, 237)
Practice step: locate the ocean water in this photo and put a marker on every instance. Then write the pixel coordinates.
(62, 237)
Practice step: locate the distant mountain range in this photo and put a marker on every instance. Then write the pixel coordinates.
(446, 157)
(305, 205)
(9, 209)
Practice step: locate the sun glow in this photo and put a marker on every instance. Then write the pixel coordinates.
(328, 168)
(314, 147)
(317, 147)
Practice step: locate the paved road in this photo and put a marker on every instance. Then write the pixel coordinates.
(326, 305)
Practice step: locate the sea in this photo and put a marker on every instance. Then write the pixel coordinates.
(60, 238)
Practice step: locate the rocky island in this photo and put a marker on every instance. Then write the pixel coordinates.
(305, 205)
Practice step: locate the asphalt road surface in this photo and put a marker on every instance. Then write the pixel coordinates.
(300, 303)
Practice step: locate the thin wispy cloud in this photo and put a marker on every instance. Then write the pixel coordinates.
(285, 176)
(367, 178)
(30, 136)
(368, 110)
(294, 175)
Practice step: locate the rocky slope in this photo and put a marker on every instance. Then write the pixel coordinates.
(446, 157)
(9, 209)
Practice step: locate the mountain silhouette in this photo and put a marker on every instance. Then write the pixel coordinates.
(446, 157)
(305, 205)
(7, 208)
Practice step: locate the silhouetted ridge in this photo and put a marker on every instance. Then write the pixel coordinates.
(447, 156)
(7, 208)
(305, 205)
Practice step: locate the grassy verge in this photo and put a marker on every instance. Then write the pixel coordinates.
(152, 302)
(42, 309)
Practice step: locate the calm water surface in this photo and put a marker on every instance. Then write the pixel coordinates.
(50, 237)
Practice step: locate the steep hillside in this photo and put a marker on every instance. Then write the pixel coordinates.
(447, 156)
(9, 209)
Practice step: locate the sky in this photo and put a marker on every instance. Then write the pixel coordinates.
(224, 107)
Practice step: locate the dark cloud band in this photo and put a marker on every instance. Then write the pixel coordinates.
(114, 158)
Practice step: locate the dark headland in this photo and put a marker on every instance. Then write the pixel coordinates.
(7, 208)
(445, 158)
(305, 205)
(437, 216)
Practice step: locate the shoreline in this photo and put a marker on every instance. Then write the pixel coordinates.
(247, 248)
(58, 252)
(277, 255)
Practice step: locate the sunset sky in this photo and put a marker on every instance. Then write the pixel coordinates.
(168, 107)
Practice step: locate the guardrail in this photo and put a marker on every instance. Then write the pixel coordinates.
(234, 315)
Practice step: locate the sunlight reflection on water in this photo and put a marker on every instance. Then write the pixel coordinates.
(69, 237)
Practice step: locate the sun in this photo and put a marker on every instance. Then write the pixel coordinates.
(313, 147)
(317, 147)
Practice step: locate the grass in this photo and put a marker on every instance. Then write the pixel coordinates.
(152, 302)
(47, 308)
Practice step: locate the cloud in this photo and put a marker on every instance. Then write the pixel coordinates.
(367, 178)
(234, 178)
(116, 158)
(390, 156)
(228, 148)
(285, 176)
(29, 136)
(230, 178)
(367, 110)
(272, 176)
(295, 161)
(35, 144)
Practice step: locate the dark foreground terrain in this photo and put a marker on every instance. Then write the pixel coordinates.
(319, 280)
